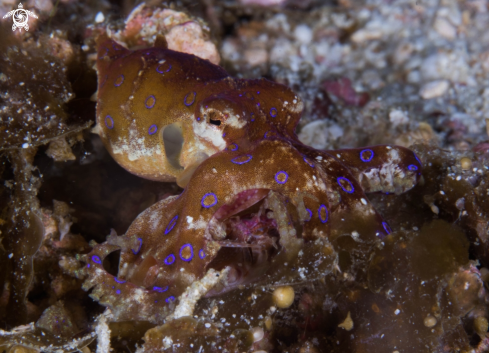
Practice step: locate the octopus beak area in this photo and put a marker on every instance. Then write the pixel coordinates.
(247, 233)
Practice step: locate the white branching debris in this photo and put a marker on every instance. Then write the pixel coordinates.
(103, 333)
(197, 290)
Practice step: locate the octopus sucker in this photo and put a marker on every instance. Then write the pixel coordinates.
(255, 199)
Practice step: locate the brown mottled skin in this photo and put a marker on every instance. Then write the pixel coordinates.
(239, 144)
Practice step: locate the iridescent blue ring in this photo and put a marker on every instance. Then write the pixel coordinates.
(412, 167)
(170, 299)
(139, 247)
(115, 81)
(366, 159)
(104, 54)
(309, 163)
(193, 100)
(116, 46)
(160, 289)
(387, 229)
(310, 214)
(282, 172)
(339, 179)
(202, 202)
(201, 253)
(251, 116)
(171, 224)
(119, 280)
(163, 71)
(242, 162)
(188, 245)
(170, 259)
(233, 147)
(96, 259)
(109, 122)
(319, 213)
(273, 112)
(421, 164)
(149, 106)
(104, 81)
(152, 129)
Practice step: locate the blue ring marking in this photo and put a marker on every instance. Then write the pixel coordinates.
(310, 215)
(421, 164)
(170, 299)
(96, 259)
(250, 157)
(160, 289)
(104, 81)
(387, 229)
(170, 225)
(266, 133)
(201, 253)
(102, 55)
(119, 280)
(193, 100)
(339, 179)
(202, 202)
(88, 265)
(273, 112)
(282, 172)
(235, 148)
(115, 81)
(139, 247)
(412, 167)
(223, 134)
(251, 115)
(198, 118)
(116, 46)
(163, 71)
(149, 106)
(191, 252)
(366, 159)
(152, 129)
(319, 214)
(118, 291)
(309, 163)
(108, 119)
(170, 259)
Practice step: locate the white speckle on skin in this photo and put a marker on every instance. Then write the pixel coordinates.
(189, 220)
(209, 133)
(363, 201)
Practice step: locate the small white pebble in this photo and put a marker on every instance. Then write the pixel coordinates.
(258, 334)
(207, 325)
(99, 18)
(397, 311)
(430, 321)
(25, 145)
(434, 89)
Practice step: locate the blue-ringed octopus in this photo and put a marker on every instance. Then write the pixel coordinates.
(253, 193)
